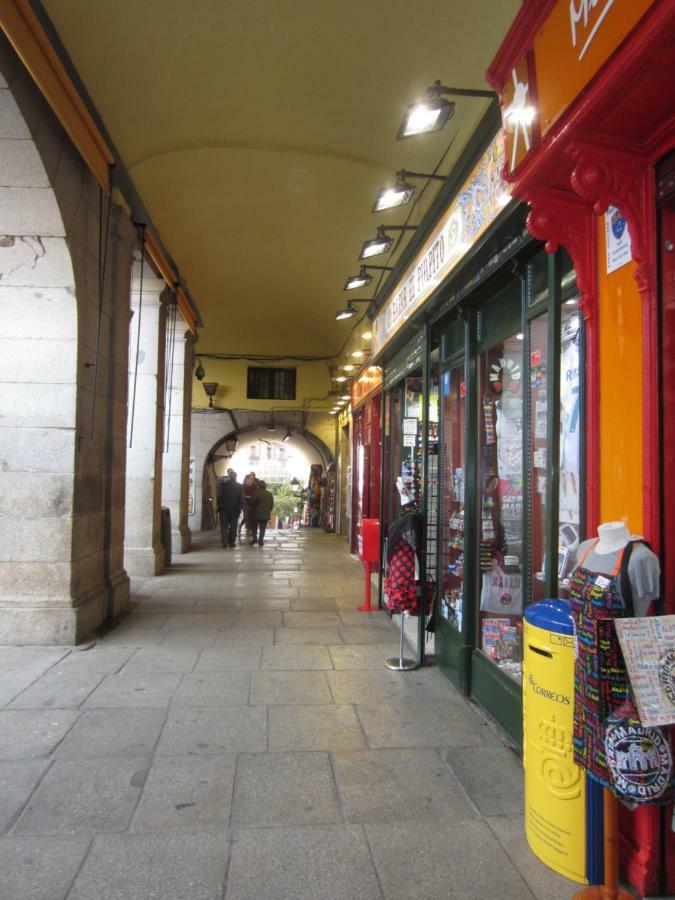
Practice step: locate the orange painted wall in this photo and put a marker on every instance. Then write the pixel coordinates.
(620, 332)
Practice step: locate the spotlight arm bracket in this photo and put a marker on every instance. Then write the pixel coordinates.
(382, 228)
(404, 173)
(381, 268)
(438, 88)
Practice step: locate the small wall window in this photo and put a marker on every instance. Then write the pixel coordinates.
(270, 384)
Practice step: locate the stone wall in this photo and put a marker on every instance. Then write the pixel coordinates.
(64, 323)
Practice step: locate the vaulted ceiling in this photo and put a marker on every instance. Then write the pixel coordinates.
(258, 134)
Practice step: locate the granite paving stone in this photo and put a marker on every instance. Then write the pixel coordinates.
(439, 861)
(230, 658)
(61, 687)
(133, 689)
(201, 620)
(289, 688)
(113, 732)
(309, 619)
(492, 775)
(399, 786)
(325, 862)
(177, 658)
(544, 882)
(39, 867)
(314, 728)
(284, 789)
(153, 867)
(415, 723)
(202, 689)
(373, 634)
(368, 686)
(187, 793)
(26, 733)
(227, 729)
(84, 796)
(17, 782)
(357, 656)
(237, 635)
(317, 636)
(294, 657)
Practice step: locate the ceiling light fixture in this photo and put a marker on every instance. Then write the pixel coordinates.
(349, 367)
(358, 354)
(363, 278)
(349, 310)
(401, 193)
(433, 113)
(341, 378)
(367, 335)
(382, 243)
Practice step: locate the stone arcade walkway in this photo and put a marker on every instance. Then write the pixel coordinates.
(238, 736)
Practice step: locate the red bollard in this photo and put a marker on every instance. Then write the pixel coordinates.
(370, 553)
(366, 607)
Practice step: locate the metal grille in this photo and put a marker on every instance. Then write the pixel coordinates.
(270, 384)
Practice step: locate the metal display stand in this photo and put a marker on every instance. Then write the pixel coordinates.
(399, 663)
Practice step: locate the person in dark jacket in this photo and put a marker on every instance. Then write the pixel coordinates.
(230, 502)
(263, 503)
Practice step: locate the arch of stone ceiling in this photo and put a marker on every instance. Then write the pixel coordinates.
(319, 83)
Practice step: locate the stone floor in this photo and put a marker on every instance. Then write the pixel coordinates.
(237, 736)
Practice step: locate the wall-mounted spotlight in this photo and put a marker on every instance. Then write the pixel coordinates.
(432, 113)
(349, 310)
(200, 372)
(402, 192)
(363, 278)
(383, 242)
(210, 388)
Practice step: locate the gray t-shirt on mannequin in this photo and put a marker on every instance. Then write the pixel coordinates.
(643, 572)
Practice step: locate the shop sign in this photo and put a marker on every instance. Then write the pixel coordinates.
(648, 646)
(574, 42)
(481, 198)
(617, 239)
(363, 386)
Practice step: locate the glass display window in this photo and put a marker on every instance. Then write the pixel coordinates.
(453, 452)
(569, 490)
(538, 388)
(501, 504)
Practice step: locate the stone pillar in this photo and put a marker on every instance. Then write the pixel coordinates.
(176, 463)
(143, 552)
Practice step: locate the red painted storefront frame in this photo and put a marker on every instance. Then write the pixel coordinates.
(602, 151)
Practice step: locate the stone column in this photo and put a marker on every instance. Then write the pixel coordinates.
(176, 463)
(143, 552)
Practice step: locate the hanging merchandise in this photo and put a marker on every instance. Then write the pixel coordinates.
(609, 740)
(401, 589)
(502, 587)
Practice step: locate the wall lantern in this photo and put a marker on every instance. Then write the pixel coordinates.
(200, 372)
(210, 388)
(296, 487)
(231, 441)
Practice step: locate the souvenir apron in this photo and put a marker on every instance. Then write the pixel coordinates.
(609, 741)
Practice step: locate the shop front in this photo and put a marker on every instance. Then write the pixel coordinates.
(483, 417)
(588, 96)
(366, 404)
(510, 427)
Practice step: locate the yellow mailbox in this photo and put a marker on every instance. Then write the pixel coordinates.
(555, 787)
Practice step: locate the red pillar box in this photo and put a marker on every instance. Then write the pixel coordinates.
(370, 555)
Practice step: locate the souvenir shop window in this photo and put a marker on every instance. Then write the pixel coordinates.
(451, 588)
(569, 503)
(431, 544)
(501, 504)
(409, 481)
(538, 348)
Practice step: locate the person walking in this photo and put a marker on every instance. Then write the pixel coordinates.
(250, 488)
(263, 503)
(230, 502)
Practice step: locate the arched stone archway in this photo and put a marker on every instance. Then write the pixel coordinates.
(64, 321)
